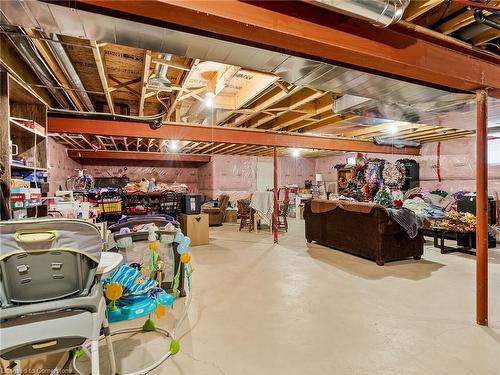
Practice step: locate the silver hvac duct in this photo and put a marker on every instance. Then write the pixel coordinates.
(161, 82)
(27, 52)
(379, 12)
(70, 72)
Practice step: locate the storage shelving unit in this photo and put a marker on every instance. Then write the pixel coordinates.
(21, 108)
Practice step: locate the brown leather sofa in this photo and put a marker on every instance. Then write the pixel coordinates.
(361, 230)
(216, 214)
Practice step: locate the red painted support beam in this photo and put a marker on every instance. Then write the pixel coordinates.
(319, 34)
(275, 213)
(134, 155)
(482, 208)
(200, 133)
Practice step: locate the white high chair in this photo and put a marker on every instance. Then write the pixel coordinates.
(51, 299)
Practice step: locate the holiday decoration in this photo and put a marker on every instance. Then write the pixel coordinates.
(384, 197)
(393, 174)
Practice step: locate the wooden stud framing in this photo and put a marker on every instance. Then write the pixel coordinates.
(101, 68)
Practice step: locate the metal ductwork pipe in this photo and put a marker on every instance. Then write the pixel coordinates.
(475, 29)
(488, 21)
(379, 12)
(161, 82)
(28, 53)
(70, 72)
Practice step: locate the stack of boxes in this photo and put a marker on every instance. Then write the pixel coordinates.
(25, 197)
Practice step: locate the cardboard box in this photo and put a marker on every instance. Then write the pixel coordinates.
(15, 205)
(196, 228)
(33, 203)
(19, 196)
(14, 182)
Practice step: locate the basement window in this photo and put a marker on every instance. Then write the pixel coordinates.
(494, 149)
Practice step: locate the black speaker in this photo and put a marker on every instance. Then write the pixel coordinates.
(412, 176)
(468, 204)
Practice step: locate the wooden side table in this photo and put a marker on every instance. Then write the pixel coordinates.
(439, 237)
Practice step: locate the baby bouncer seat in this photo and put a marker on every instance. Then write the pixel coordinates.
(51, 298)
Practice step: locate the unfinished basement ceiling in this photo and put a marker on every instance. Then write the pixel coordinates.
(456, 19)
(252, 88)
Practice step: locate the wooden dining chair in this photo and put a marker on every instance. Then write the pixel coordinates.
(246, 217)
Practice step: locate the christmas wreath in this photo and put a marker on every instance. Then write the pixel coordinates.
(393, 174)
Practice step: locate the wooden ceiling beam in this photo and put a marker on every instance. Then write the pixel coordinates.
(258, 84)
(262, 104)
(201, 133)
(417, 8)
(135, 155)
(13, 63)
(462, 20)
(170, 64)
(45, 51)
(446, 137)
(226, 147)
(438, 13)
(146, 69)
(376, 128)
(114, 143)
(182, 88)
(321, 106)
(213, 148)
(295, 101)
(485, 37)
(103, 75)
(337, 119)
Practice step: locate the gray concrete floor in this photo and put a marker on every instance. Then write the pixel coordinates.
(298, 308)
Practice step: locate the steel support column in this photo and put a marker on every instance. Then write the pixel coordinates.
(275, 213)
(482, 208)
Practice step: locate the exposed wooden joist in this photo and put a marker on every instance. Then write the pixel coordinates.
(134, 155)
(170, 64)
(375, 129)
(51, 62)
(440, 12)
(262, 104)
(462, 20)
(144, 80)
(328, 120)
(320, 106)
(196, 133)
(180, 92)
(295, 101)
(21, 71)
(417, 8)
(103, 76)
(258, 84)
(485, 37)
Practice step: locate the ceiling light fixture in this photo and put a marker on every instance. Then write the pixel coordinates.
(209, 99)
(393, 129)
(173, 145)
(295, 152)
